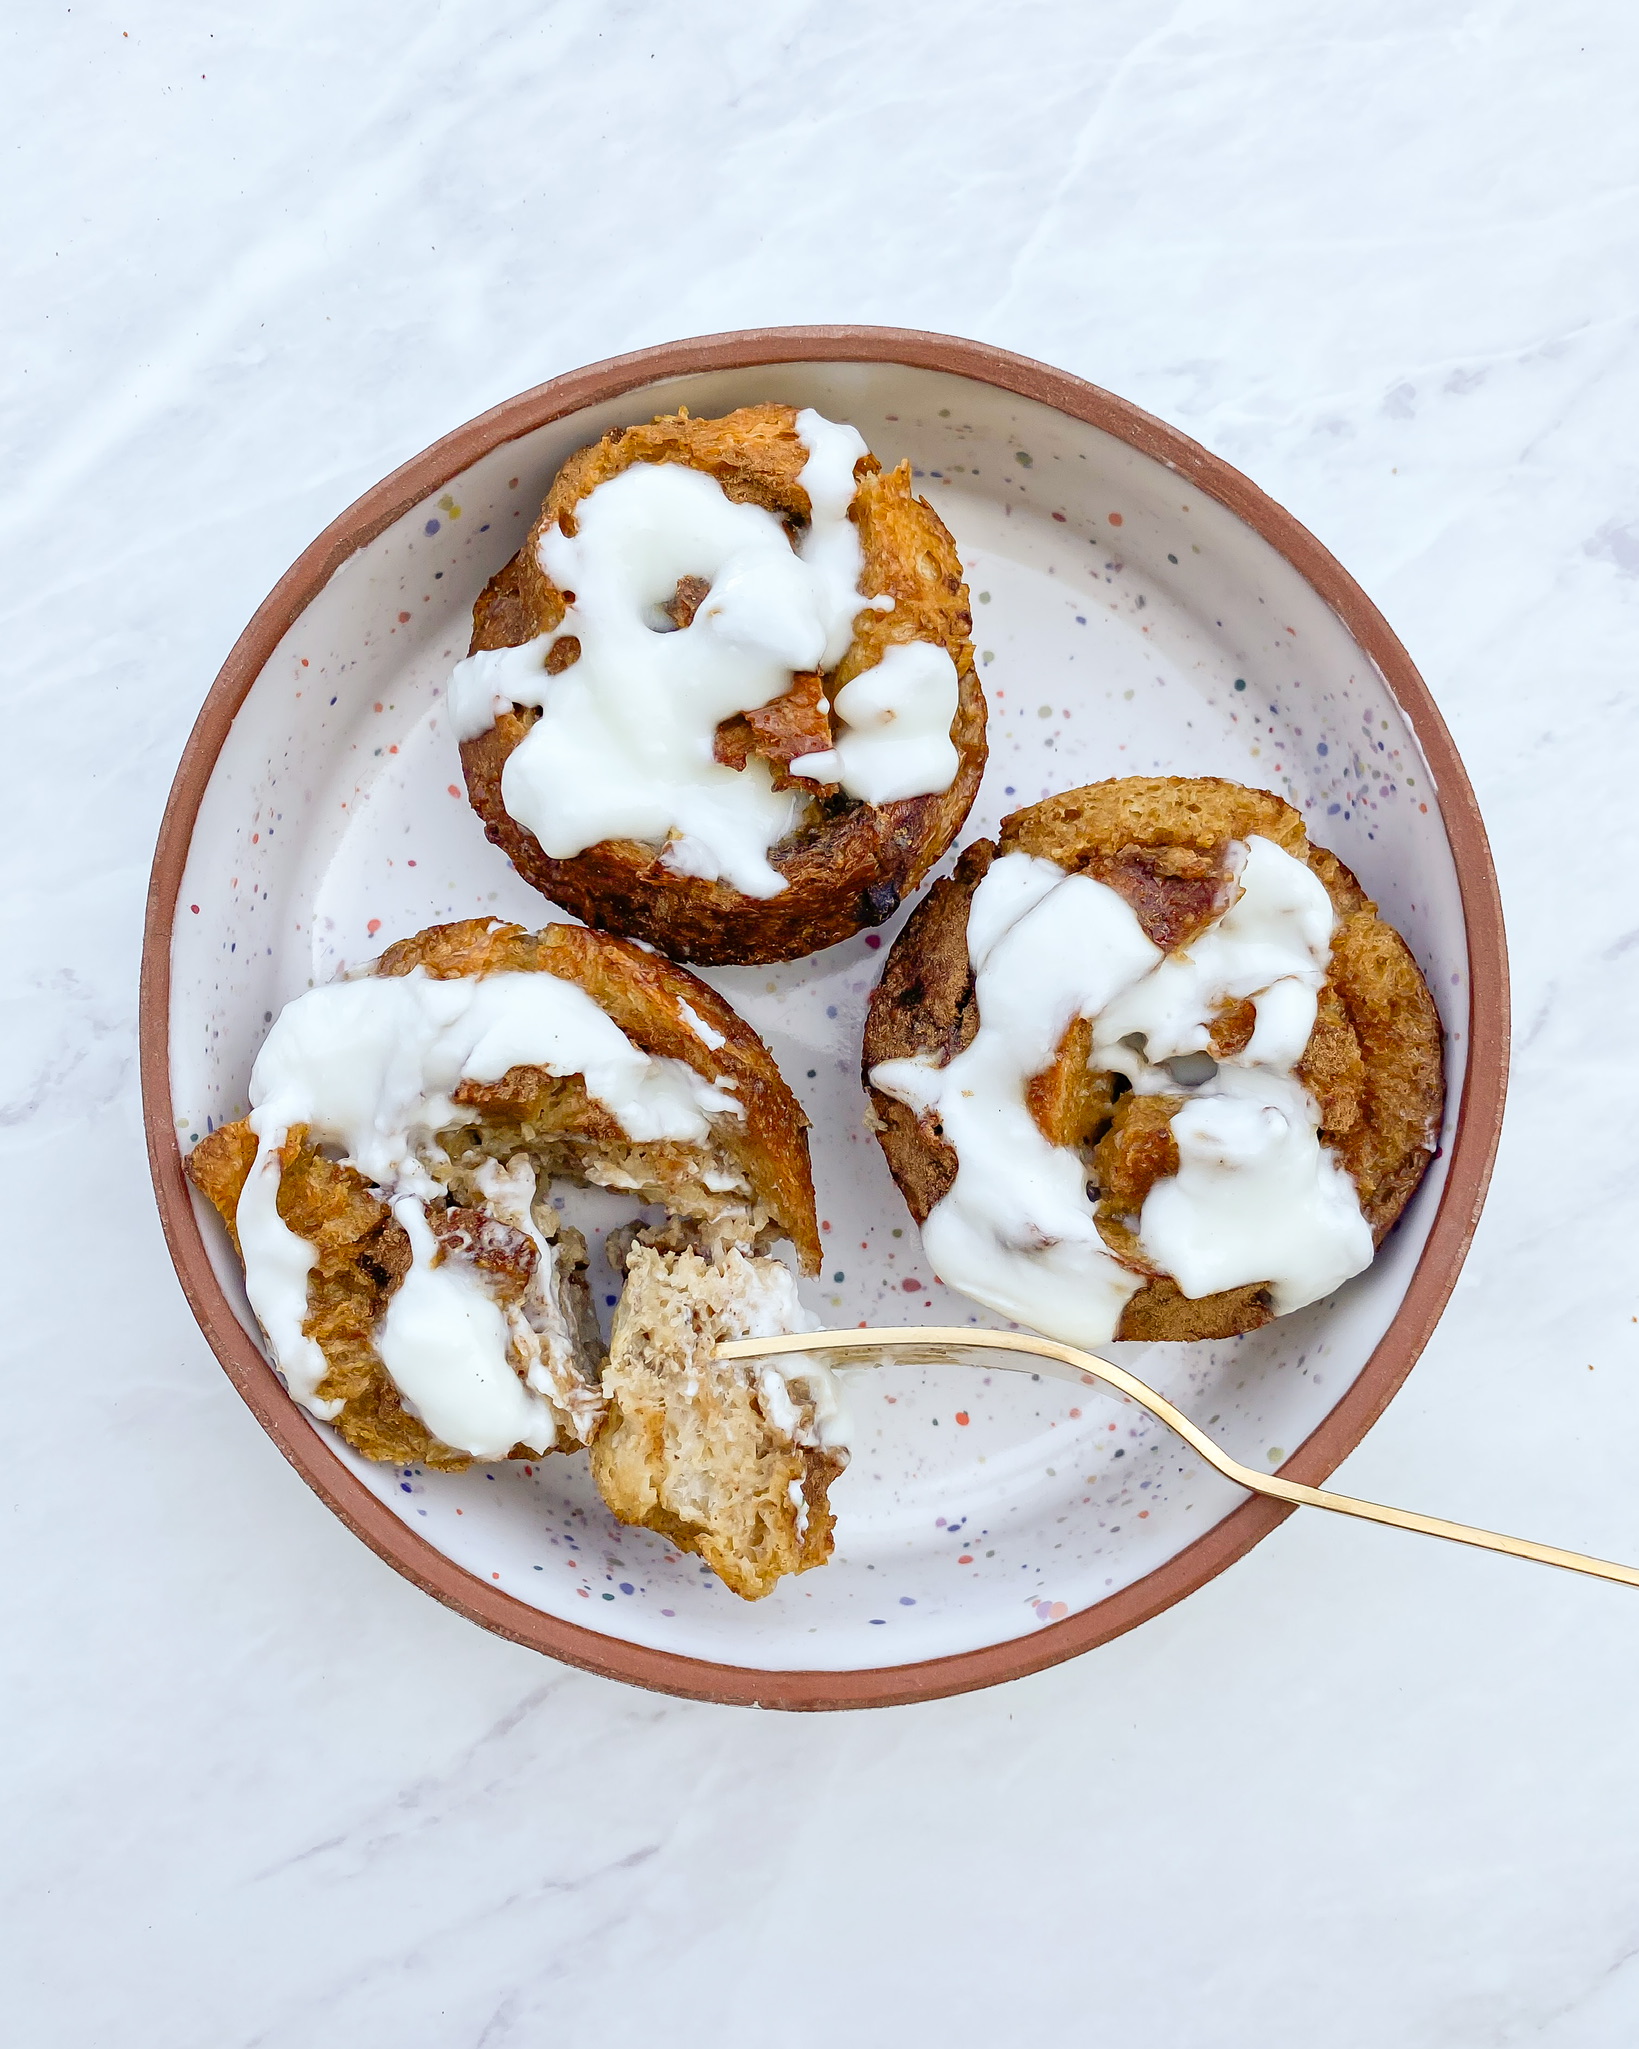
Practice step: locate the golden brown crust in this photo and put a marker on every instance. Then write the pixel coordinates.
(1374, 1061)
(851, 864)
(755, 454)
(363, 1253)
(1402, 1082)
(924, 1005)
(1072, 1102)
(1161, 1313)
(219, 1166)
(1198, 812)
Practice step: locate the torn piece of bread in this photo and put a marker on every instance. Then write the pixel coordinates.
(732, 1459)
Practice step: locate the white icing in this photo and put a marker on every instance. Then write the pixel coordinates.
(896, 721)
(1016, 1230)
(444, 1341)
(766, 1306)
(277, 1266)
(707, 1034)
(372, 1065)
(487, 683)
(777, 1404)
(833, 1420)
(830, 549)
(1257, 1197)
(369, 1067)
(1012, 888)
(1272, 943)
(623, 746)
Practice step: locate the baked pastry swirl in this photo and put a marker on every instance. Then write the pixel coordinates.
(1153, 1066)
(390, 1199)
(723, 699)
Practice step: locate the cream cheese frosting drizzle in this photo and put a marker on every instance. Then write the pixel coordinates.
(370, 1067)
(896, 719)
(1016, 1230)
(769, 1306)
(1257, 1198)
(623, 748)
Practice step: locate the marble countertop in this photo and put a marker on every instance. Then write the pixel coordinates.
(1360, 1790)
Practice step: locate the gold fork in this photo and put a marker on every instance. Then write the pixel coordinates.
(934, 1344)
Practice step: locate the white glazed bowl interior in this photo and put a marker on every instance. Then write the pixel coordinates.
(1126, 624)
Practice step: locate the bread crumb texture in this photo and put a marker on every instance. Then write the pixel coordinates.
(690, 1448)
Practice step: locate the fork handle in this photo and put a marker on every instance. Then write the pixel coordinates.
(1437, 1526)
(941, 1344)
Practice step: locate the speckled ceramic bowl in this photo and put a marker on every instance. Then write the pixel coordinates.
(1138, 607)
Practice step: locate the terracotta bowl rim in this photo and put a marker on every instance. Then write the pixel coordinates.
(1473, 1147)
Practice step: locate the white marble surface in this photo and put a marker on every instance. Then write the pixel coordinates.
(1358, 1791)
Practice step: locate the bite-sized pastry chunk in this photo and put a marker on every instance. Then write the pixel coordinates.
(390, 1192)
(1153, 1066)
(723, 698)
(729, 1458)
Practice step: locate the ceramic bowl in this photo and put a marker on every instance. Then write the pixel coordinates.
(1139, 607)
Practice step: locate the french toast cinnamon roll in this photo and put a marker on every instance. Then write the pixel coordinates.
(1152, 1066)
(723, 699)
